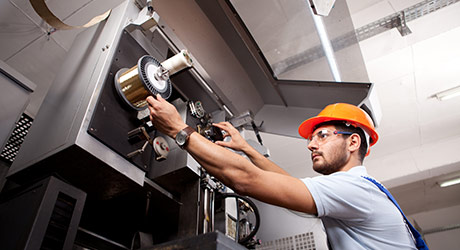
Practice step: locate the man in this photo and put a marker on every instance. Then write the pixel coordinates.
(355, 213)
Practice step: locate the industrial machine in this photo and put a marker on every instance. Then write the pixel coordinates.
(93, 133)
(124, 185)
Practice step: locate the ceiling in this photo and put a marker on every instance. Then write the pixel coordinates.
(28, 46)
(419, 135)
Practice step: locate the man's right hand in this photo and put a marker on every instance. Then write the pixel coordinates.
(237, 142)
(164, 116)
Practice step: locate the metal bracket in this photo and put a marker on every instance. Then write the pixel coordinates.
(402, 26)
(146, 20)
(322, 7)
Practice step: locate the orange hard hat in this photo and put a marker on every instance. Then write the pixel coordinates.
(341, 112)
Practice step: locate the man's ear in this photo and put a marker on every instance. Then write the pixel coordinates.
(354, 142)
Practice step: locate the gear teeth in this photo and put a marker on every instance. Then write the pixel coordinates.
(141, 65)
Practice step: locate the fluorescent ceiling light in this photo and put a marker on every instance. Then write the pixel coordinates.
(326, 44)
(450, 182)
(448, 94)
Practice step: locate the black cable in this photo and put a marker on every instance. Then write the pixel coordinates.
(256, 131)
(256, 213)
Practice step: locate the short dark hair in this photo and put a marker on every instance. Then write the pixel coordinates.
(343, 126)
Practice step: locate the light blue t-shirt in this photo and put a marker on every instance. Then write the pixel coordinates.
(356, 214)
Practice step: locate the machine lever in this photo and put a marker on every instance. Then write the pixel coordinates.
(138, 151)
(139, 133)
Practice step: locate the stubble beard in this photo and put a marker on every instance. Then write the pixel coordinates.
(337, 160)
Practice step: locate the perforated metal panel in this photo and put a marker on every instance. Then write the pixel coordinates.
(13, 145)
(304, 241)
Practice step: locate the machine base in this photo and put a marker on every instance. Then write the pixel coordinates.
(208, 241)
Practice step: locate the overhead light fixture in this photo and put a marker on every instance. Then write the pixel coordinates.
(449, 182)
(326, 44)
(448, 93)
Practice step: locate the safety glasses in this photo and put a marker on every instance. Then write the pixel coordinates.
(322, 135)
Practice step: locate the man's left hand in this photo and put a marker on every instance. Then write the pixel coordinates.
(237, 142)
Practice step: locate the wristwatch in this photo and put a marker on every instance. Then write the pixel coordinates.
(183, 136)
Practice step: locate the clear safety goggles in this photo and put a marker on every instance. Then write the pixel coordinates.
(322, 135)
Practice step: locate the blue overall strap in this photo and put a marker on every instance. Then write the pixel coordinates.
(419, 242)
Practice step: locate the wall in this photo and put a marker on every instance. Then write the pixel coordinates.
(444, 240)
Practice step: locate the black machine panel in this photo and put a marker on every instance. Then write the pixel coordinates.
(113, 118)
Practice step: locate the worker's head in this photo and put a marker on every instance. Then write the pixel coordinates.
(336, 133)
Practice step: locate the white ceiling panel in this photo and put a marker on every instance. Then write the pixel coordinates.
(390, 66)
(374, 11)
(443, 125)
(73, 13)
(407, 70)
(434, 155)
(417, 163)
(433, 24)
(434, 52)
(422, 28)
(403, 137)
(398, 106)
(399, 5)
(67, 8)
(26, 46)
(16, 30)
(356, 6)
(28, 11)
(83, 12)
(437, 77)
(382, 44)
(401, 91)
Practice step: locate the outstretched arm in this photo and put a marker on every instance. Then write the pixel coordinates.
(239, 143)
(232, 169)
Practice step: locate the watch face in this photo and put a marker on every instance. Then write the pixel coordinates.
(181, 137)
